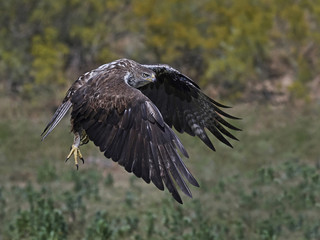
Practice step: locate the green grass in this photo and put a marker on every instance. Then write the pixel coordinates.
(267, 187)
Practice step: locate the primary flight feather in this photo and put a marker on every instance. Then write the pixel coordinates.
(128, 109)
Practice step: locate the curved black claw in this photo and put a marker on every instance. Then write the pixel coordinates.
(75, 151)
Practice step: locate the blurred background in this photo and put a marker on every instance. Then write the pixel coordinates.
(261, 57)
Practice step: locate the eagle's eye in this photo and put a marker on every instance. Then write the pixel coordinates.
(145, 75)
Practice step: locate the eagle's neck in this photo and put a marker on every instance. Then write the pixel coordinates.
(129, 79)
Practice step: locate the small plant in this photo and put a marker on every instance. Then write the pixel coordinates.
(46, 173)
(112, 227)
(41, 221)
(108, 182)
(100, 227)
(86, 183)
(3, 204)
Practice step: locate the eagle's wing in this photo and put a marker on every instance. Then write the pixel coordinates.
(129, 129)
(184, 106)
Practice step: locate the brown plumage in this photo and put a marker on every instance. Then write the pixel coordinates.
(127, 110)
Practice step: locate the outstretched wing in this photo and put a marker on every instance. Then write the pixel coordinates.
(184, 106)
(129, 129)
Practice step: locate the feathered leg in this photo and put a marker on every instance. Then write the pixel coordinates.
(75, 151)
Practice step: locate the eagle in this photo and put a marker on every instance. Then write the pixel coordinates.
(128, 110)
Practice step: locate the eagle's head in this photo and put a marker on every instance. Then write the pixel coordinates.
(138, 75)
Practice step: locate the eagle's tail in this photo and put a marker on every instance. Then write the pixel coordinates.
(58, 115)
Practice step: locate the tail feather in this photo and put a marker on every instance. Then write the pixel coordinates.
(58, 115)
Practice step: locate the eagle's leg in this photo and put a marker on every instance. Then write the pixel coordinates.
(75, 151)
(84, 138)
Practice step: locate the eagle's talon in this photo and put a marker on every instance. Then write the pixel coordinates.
(75, 151)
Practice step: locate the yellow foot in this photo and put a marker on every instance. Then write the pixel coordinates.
(75, 151)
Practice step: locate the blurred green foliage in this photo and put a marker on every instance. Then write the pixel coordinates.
(273, 202)
(229, 42)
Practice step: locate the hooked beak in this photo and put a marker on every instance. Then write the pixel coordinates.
(152, 78)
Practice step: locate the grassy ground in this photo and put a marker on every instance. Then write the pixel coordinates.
(267, 187)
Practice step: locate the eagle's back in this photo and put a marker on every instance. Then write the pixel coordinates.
(101, 88)
(105, 91)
